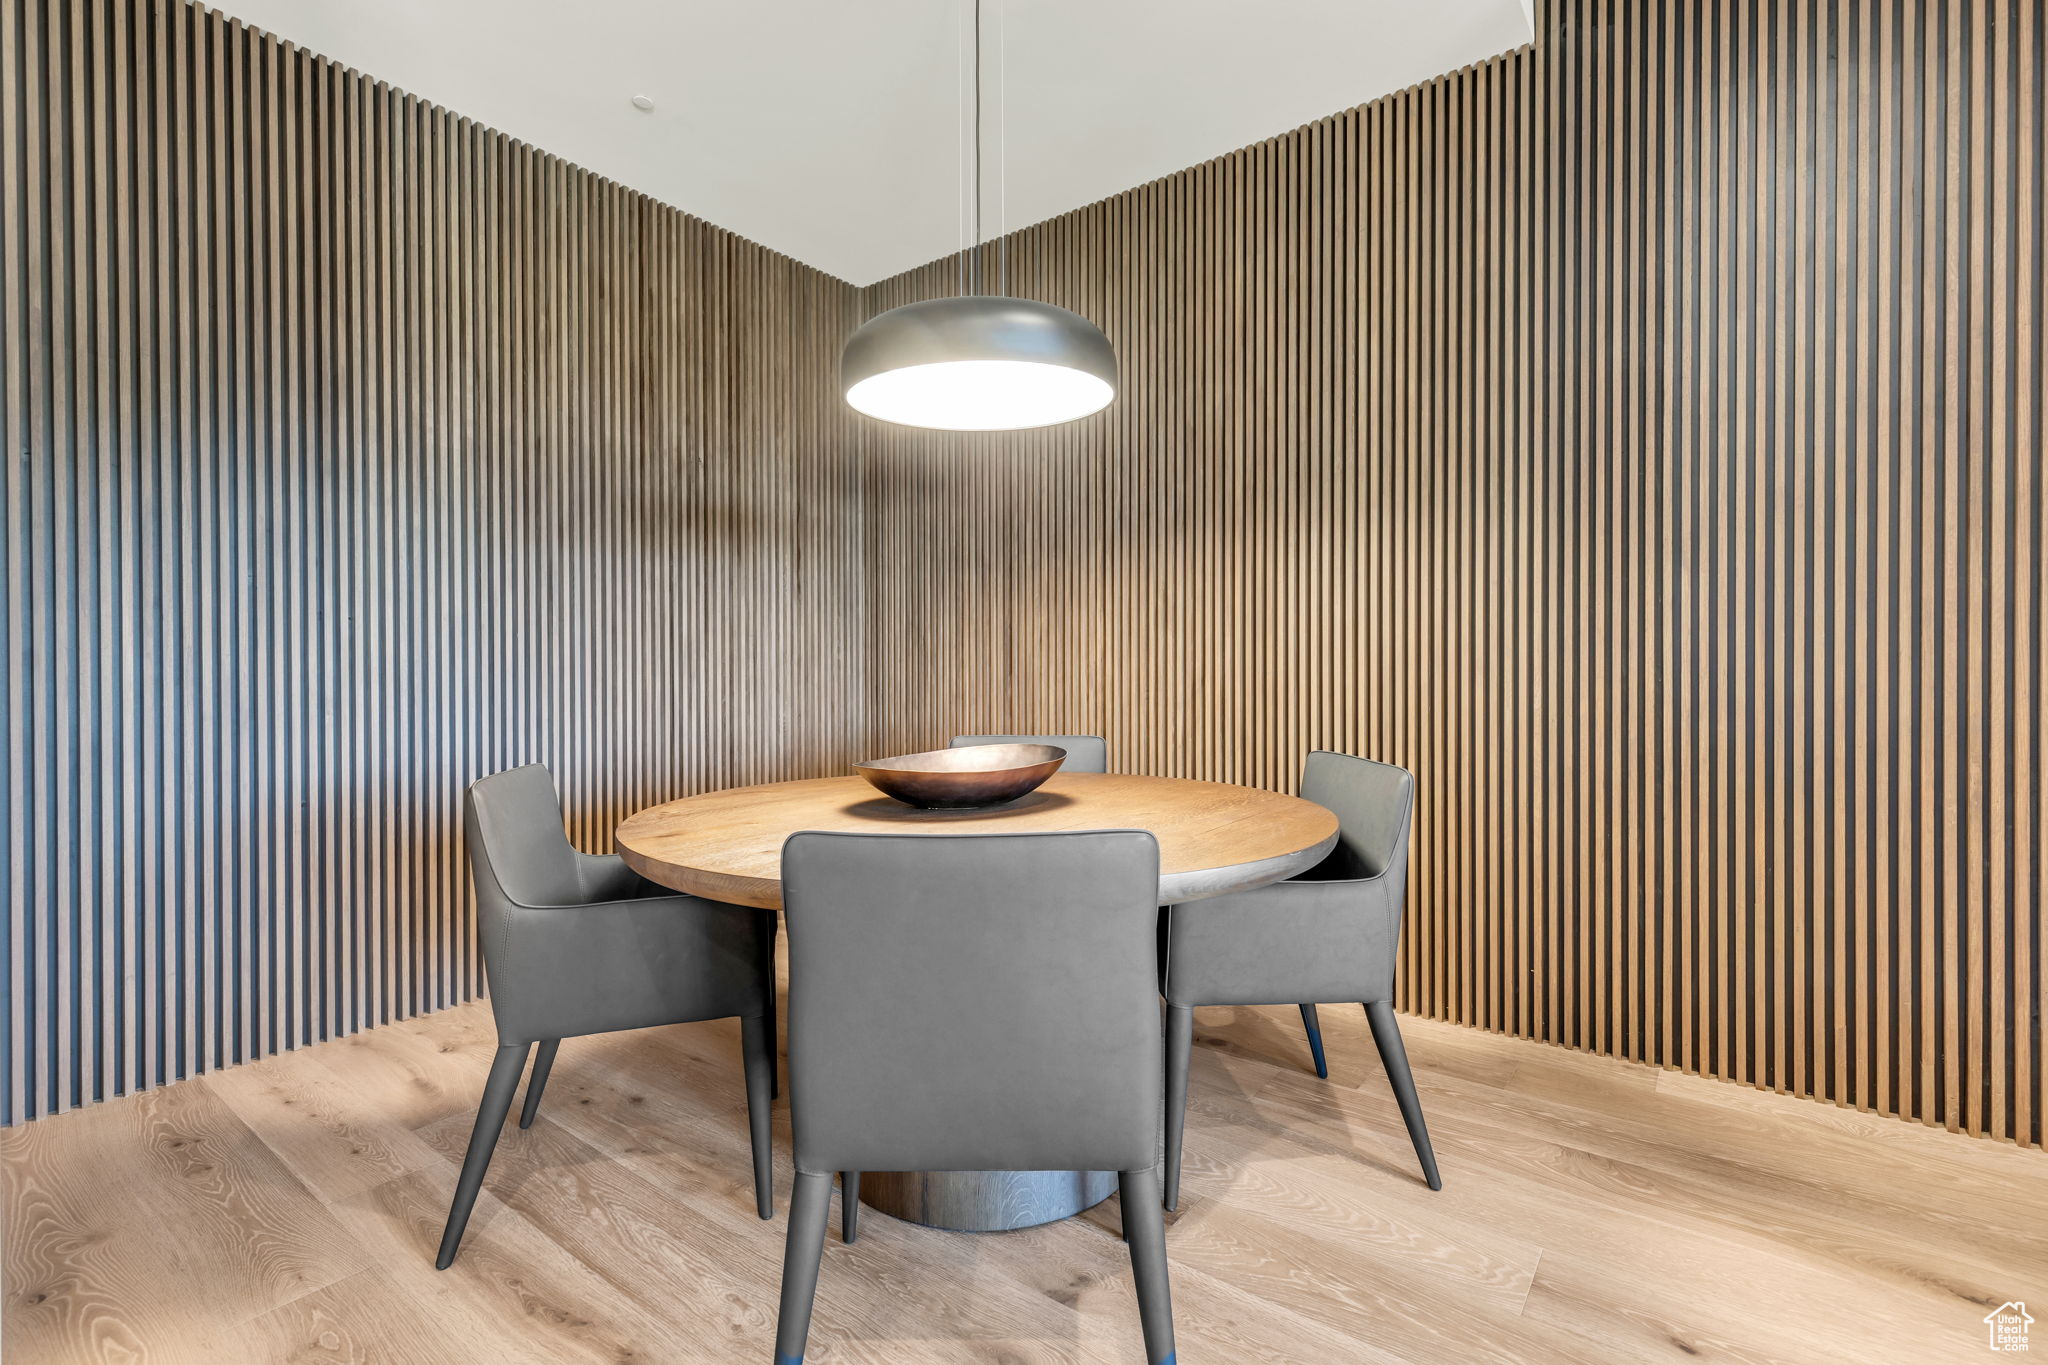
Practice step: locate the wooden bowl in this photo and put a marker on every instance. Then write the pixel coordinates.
(964, 779)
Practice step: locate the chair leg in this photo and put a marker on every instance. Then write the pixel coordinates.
(849, 1206)
(771, 926)
(757, 1047)
(499, 1089)
(1387, 1033)
(1315, 1039)
(810, 1207)
(1145, 1232)
(543, 1062)
(1180, 1047)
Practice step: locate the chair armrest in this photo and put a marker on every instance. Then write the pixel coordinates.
(605, 877)
(1337, 855)
(1287, 942)
(1289, 893)
(564, 971)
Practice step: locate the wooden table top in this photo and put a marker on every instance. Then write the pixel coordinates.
(1213, 837)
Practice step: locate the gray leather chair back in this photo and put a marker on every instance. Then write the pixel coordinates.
(973, 1002)
(517, 847)
(1085, 753)
(1373, 803)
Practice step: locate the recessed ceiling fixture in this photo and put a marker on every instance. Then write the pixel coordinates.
(643, 103)
(978, 361)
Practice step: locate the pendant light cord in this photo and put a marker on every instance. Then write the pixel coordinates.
(977, 146)
(1003, 167)
(971, 279)
(960, 221)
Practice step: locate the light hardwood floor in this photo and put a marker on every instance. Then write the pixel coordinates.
(1593, 1210)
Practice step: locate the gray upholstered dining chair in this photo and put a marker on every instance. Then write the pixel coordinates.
(1085, 753)
(1326, 935)
(975, 1002)
(577, 943)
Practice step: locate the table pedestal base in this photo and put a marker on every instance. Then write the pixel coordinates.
(985, 1201)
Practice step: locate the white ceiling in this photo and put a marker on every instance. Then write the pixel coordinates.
(832, 130)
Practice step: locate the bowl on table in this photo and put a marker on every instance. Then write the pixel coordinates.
(967, 778)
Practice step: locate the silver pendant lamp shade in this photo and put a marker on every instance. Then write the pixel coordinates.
(984, 362)
(978, 362)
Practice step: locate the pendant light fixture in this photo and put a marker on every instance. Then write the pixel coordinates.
(978, 362)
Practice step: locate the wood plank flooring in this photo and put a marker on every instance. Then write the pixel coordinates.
(1593, 1210)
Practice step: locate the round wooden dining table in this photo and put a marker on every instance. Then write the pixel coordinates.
(1214, 838)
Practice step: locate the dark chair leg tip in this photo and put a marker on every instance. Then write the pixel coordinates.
(757, 1051)
(810, 1211)
(1145, 1234)
(476, 1158)
(543, 1064)
(1314, 1029)
(1386, 1032)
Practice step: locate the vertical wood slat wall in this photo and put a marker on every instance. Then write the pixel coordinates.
(355, 451)
(1639, 437)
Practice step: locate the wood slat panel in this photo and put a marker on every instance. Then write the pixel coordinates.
(1638, 436)
(356, 451)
